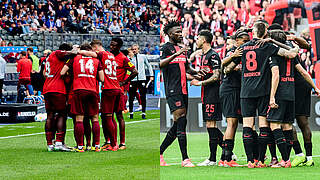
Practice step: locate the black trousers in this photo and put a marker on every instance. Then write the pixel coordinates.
(1, 87)
(134, 85)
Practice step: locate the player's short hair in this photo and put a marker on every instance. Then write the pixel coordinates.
(118, 40)
(275, 26)
(86, 46)
(23, 53)
(207, 35)
(170, 25)
(30, 49)
(240, 34)
(96, 42)
(65, 46)
(278, 35)
(260, 28)
(125, 52)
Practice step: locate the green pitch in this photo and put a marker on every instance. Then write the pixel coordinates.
(25, 157)
(198, 151)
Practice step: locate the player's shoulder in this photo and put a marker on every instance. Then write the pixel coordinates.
(212, 53)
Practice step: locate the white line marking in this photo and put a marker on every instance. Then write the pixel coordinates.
(25, 135)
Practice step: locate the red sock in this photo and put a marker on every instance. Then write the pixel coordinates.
(96, 132)
(122, 130)
(111, 130)
(115, 129)
(87, 131)
(79, 131)
(49, 137)
(60, 136)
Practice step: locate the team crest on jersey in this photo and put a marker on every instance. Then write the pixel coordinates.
(130, 64)
(178, 103)
(205, 61)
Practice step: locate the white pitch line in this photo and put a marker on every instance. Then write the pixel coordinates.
(25, 135)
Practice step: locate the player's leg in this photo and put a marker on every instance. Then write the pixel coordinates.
(263, 139)
(139, 101)
(232, 124)
(303, 124)
(96, 132)
(281, 143)
(119, 106)
(212, 129)
(49, 128)
(87, 132)
(61, 131)
(273, 151)
(255, 138)
(79, 131)
(287, 125)
(132, 94)
(143, 92)
(300, 158)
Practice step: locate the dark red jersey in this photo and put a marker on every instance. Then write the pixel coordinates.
(24, 67)
(124, 64)
(85, 72)
(53, 66)
(109, 65)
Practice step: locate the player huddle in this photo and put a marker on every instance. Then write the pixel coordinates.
(72, 89)
(262, 76)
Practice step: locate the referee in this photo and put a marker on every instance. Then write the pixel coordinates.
(141, 62)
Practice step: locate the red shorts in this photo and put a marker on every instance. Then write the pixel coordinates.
(110, 100)
(55, 101)
(122, 103)
(85, 103)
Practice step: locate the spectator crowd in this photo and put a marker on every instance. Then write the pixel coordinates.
(223, 18)
(83, 16)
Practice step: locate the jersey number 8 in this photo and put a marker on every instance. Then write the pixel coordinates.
(251, 62)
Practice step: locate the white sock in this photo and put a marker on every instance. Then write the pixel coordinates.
(97, 146)
(309, 158)
(58, 143)
(80, 147)
(143, 113)
(300, 154)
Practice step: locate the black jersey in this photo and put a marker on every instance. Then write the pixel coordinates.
(174, 74)
(299, 80)
(285, 90)
(255, 80)
(232, 80)
(210, 62)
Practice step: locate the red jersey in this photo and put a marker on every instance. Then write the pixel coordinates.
(109, 65)
(53, 66)
(124, 64)
(85, 72)
(24, 67)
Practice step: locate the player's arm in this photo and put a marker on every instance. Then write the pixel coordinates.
(307, 77)
(228, 59)
(229, 67)
(292, 53)
(66, 67)
(88, 53)
(101, 76)
(130, 67)
(215, 77)
(193, 55)
(166, 61)
(302, 43)
(274, 86)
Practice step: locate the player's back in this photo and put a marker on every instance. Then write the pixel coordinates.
(109, 65)
(256, 68)
(54, 81)
(121, 71)
(85, 71)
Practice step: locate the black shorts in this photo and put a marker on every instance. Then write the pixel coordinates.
(177, 102)
(231, 104)
(211, 112)
(302, 101)
(283, 114)
(249, 106)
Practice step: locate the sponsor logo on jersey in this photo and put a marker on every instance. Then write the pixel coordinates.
(130, 64)
(178, 103)
(4, 114)
(251, 74)
(32, 113)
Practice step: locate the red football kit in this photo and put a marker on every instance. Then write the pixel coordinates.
(54, 89)
(124, 64)
(85, 99)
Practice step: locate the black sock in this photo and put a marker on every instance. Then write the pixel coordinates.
(308, 148)
(297, 147)
(248, 142)
(263, 140)
(272, 147)
(213, 142)
(182, 138)
(289, 138)
(229, 144)
(255, 145)
(281, 143)
(220, 137)
(223, 152)
(168, 140)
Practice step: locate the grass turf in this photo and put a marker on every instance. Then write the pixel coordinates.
(198, 151)
(27, 158)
